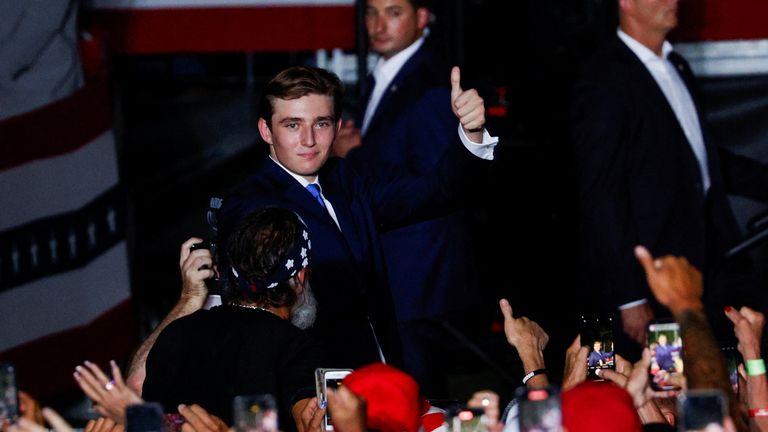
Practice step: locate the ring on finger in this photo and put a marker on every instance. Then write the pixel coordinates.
(109, 385)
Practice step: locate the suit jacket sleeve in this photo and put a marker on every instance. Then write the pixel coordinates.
(603, 129)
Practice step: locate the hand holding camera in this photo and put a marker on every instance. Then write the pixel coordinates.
(196, 265)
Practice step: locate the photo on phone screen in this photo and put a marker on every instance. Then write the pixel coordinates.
(539, 409)
(462, 418)
(328, 379)
(146, 417)
(255, 413)
(666, 348)
(9, 393)
(597, 334)
(732, 361)
(702, 410)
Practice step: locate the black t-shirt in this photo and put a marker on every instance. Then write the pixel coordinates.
(211, 356)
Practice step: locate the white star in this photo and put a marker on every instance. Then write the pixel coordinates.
(305, 235)
(305, 262)
(289, 264)
(303, 252)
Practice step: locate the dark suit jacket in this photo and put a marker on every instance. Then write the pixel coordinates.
(348, 271)
(639, 180)
(430, 263)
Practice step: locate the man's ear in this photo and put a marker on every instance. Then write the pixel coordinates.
(264, 131)
(301, 275)
(422, 18)
(339, 122)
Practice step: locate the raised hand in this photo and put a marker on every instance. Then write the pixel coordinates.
(748, 325)
(468, 107)
(110, 396)
(673, 280)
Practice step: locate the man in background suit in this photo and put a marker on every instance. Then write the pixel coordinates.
(299, 117)
(648, 175)
(405, 125)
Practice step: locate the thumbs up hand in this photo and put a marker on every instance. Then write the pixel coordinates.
(468, 107)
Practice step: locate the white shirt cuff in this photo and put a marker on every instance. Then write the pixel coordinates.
(482, 150)
(633, 304)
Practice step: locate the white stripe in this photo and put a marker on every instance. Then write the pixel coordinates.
(183, 4)
(726, 58)
(65, 300)
(59, 184)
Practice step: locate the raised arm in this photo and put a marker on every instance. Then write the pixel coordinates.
(196, 266)
(677, 285)
(529, 339)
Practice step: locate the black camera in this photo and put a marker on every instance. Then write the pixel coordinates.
(203, 245)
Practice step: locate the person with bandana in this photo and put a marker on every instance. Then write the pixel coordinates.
(255, 344)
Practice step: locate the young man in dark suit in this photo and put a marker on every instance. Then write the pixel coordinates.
(300, 115)
(648, 173)
(405, 125)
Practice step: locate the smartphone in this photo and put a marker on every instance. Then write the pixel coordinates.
(326, 378)
(702, 409)
(732, 361)
(666, 346)
(255, 413)
(597, 334)
(539, 409)
(9, 393)
(461, 418)
(146, 417)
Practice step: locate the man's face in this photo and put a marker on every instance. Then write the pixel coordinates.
(654, 15)
(597, 346)
(302, 132)
(662, 339)
(393, 25)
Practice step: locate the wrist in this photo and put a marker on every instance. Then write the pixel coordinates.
(532, 374)
(532, 362)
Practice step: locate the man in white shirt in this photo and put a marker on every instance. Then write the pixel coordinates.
(648, 175)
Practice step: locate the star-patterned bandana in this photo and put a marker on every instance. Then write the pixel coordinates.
(296, 258)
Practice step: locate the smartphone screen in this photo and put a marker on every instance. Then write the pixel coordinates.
(666, 348)
(539, 409)
(597, 334)
(146, 417)
(255, 413)
(9, 394)
(462, 418)
(732, 361)
(328, 379)
(702, 409)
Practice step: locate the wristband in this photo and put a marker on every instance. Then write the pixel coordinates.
(755, 367)
(758, 412)
(533, 374)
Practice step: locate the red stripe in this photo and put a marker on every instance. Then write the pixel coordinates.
(57, 128)
(44, 366)
(708, 20)
(257, 29)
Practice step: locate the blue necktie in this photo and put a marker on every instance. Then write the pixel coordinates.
(315, 191)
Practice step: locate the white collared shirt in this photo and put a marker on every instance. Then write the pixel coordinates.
(304, 183)
(384, 72)
(676, 93)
